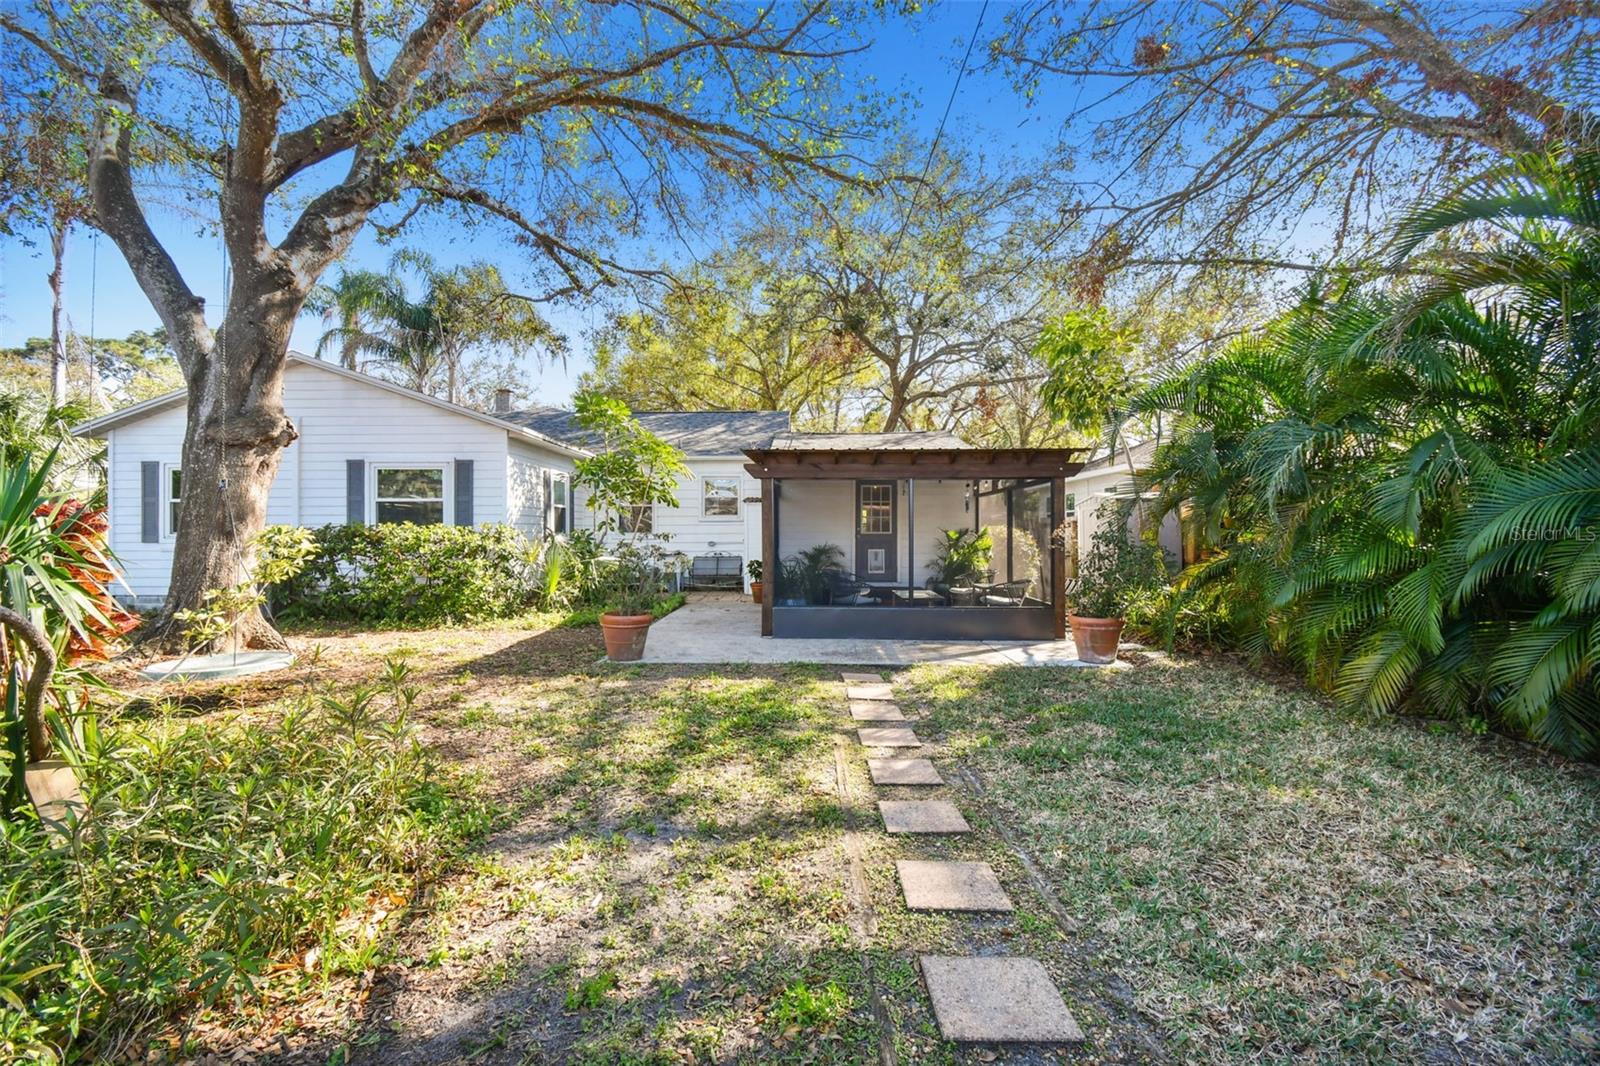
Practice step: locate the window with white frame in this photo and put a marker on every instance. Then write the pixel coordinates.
(640, 518)
(409, 494)
(720, 497)
(558, 504)
(174, 498)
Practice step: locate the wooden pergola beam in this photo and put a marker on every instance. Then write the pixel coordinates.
(944, 463)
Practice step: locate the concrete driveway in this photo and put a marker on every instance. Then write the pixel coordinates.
(726, 628)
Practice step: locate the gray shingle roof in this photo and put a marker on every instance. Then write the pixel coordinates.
(934, 440)
(1142, 454)
(691, 432)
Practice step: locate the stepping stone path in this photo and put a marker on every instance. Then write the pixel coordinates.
(875, 711)
(952, 886)
(888, 737)
(983, 1000)
(903, 772)
(922, 816)
(997, 1001)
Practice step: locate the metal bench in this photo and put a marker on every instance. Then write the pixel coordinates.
(718, 570)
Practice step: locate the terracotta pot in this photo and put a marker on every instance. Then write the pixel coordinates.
(755, 592)
(1096, 638)
(625, 635)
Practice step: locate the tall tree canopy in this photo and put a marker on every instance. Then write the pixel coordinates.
(304, 122)
(736, 334)
(433, 341)
(1209, 136)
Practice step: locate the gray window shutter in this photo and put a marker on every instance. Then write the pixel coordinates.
(149, 502)
(549, 501)
(355, 491)
(463, 492)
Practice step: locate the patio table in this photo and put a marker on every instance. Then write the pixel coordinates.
(917, 597)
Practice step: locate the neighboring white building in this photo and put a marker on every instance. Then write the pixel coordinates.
(1093, 490)
(371, 451)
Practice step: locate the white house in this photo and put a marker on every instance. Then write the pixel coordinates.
(1095, 487)
(371, 451)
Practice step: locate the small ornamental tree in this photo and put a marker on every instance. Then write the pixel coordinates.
(631, 468)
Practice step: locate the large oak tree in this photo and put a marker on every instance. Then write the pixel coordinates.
(298, 123)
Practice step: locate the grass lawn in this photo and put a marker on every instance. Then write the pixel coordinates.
(1212, 866)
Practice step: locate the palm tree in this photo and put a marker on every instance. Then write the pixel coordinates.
(347, 307)
(461, 310)
(1404, 488)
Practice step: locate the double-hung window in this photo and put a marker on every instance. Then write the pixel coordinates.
(174, 498)
(409, 494)
(558, 504)
(720, 497)
(639, 518)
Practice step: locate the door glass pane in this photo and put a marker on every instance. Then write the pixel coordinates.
(877, 509)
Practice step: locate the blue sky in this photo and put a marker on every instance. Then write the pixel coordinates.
(918, 57)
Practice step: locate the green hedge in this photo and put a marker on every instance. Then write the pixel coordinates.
(412, 575)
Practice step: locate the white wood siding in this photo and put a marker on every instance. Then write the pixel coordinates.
(339, 418)
(692, 532)
(823, 512)
(526, 467)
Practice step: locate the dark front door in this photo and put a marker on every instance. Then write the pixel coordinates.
(875, 522)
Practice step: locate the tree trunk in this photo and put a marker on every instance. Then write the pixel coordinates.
(237, 430)
(91, 367)
(58, 338)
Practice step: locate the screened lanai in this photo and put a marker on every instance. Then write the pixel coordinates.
(876, 536)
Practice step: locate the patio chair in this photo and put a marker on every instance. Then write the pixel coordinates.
(1005, 594)
(847, 590)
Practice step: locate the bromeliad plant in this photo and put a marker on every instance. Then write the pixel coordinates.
(55, 610)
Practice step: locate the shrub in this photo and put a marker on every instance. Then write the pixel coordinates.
(206, 853)
(1118, 569)
(405, 574)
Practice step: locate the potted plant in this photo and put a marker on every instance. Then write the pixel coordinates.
(1116, 569)
(633, 584)
(811, 569)
(963, 556)
(632, 468)
(753, 568)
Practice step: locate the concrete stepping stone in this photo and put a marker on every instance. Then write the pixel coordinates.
(922, 816)
(952, 886)
(875, 711)
(879, 691)
(852, 677)
(903, 772)
(888, 737)
(997, 1001)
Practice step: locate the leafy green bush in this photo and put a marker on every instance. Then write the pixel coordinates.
(1117, 569)
(1400, 482)
(208, 851)
(403, 574)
